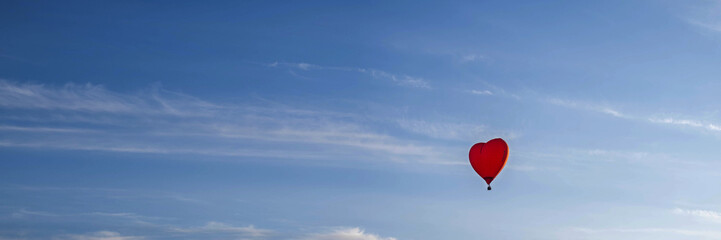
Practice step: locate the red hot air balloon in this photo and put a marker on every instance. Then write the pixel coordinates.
(489, 158)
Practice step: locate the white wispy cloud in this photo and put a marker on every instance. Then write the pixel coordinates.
(472, 58)
(346, 234)
(481, 92)
(615, 154)
(100, 235)
(492, 90)
(95, 98)
(211, 228)
(712, 25)
(109, 193)
(21, 213)
(649, 232)
(453, 131)
(305, 66)
(398, 79)
(608, 110)
(403, 80)
(92, 118)
(605, 109)
(12, 238)
(687, 123)
(552, 159)
(706, 215)
(125, 215)
(218, 227)
(158, 227)
(537, 98)
(154, 228)
(704, 14)
(42, 129)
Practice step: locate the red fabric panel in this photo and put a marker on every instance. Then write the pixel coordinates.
(488, 159)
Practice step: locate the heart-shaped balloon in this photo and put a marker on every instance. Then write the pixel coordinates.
(488, 159)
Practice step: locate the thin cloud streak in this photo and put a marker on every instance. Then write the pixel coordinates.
(651, 232)
(564, 158)
(611, 111)
(347, 234)
(95, 98)
(465, 132)
(706, 215)
(687, 123)
(218, 227)
(23, 213)
(206, 128)
(481, 92)
(490, 90)
(615, 113)
(100, 235)
(706, 16)
(588, 107)
(398, 79)
(43, 129)
(451, 131)
(472, 58)
(159, 227)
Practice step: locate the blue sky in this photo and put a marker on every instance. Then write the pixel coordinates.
(352, 120)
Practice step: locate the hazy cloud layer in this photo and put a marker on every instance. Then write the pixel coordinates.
(647, 233)
(609, 110)
(705, 15)
(100, 235)
(347, 234)
(92, 118)
(399, 79)
(705, 215)
(165, 228)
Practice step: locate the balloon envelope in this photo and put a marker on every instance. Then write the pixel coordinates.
(488, 159)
